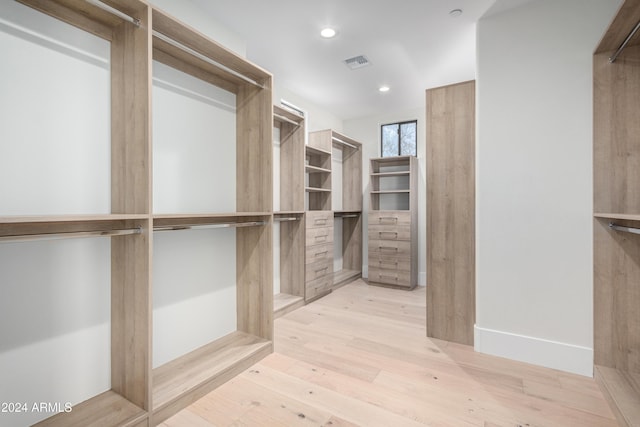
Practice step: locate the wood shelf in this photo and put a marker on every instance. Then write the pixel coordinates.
(385, 174)
(317, 190)
(43, 225)
(280, 112)
(622, 391)
(288, 213)
(108, 408)
(315, 169)
(318, 151)
(188, 378)
(622, 217)
(391, 191)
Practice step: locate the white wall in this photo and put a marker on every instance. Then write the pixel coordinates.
(534, 181)
(367, 131)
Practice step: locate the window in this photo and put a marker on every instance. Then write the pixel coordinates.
(399, 139)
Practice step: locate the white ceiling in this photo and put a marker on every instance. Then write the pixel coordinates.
(412, 45)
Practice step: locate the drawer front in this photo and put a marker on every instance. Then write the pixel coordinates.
(390, 277)
(318, 253)
(319, 236)
(389, 218)
(389, 232)
(395, 248)
(318, 270)
(390, 263)
(318, 287)
(316, 219)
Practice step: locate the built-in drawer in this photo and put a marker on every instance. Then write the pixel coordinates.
(392, 263)
(318, 253)
(389, 218)
(390, 277)
(315, 219)
(389, 232)
(318, 269)
(318, 287)
(397, 248)
(319, 236)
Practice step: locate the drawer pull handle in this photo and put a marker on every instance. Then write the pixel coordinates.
(323, 237)
(388, 248)
(321, 269)
(395, 264)
(319, 221)
(381, 276)
(388, 218)
(395, 233)
(321, 253)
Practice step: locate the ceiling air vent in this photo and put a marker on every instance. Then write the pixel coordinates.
(357, 62)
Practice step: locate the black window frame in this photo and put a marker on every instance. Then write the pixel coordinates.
(399, 124)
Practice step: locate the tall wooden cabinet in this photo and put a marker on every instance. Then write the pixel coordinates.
(451, 297)
(290, 214)
(616, 223)
(140, 395)
(393, 222)
(322, 248)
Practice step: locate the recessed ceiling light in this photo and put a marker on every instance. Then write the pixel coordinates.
(384, 89)
(328, 33)
(455, 13)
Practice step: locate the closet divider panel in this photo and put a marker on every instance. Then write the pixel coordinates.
(451, 212)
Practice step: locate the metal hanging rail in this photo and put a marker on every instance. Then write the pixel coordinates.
(623, 228)
(624, 43)
(69, 235)
(208, 226)
(285, 119)
(344, 143)
(204, 58)
(114, 11)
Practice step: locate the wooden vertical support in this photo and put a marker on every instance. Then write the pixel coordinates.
(292, 167)
(413, 207)
(352, 243)
(451, 212)
(254, 187)
(131, 193)
(352, 179)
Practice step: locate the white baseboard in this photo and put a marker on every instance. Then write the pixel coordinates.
(551, 354)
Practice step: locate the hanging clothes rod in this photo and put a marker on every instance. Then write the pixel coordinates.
(285, 119)
(625, 229)
(206, 59)
(348, 216)
(293, 218)
(70, 235)
(344, 143)
(207, 226)
(114, 11)
(624, 43)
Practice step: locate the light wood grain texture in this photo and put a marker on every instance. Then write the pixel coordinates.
(292, 156)
(351, 249)
(359, 356)
(387, 227)
(616, 148)
(622, 390)
(625, 20)
(451, 212)
(292, 257)
(107, 408)
(188, 378)
(285, 303)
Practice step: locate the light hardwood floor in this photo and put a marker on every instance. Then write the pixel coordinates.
(360, 357)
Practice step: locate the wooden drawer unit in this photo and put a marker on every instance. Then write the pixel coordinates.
(389, 232)
(317, 253)
(396, 248)
(318, 269)
(319, 236)
(318, 287)
(318, 219)
(390, 263)
(389, 218)
(390, 277)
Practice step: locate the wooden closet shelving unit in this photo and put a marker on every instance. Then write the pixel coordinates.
(140, 395)
(291, 214)
(617, 203)
(393, 222)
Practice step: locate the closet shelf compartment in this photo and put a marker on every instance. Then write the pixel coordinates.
(108, 408)
(318, 151)
(195, 374)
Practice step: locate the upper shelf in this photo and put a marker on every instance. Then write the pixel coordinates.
(282, 115)
(627, 18)
(620, 216)
(395, 173)
(314, 150)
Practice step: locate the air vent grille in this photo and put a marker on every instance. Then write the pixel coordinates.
(357, 62)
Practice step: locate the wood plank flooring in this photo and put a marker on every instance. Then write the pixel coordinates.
(360, 357)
